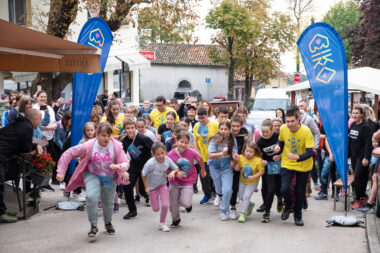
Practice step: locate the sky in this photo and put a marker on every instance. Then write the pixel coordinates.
(288, 65)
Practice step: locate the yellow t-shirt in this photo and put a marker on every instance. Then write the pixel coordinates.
(118, 126)
(159, 118)
(254, 165)
(296, 143)
(202, 136)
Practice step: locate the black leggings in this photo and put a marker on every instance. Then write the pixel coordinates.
(361, 177)
(128, 189)
(273, 186)
(235, 187)
(2, 182)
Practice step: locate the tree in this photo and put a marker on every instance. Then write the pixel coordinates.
(232, 22)
(260, 50)
(343, 16)
(299, 7)
(365, 37)
(168, 21)
(61, 15)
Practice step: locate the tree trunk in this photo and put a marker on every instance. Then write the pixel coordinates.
(231, 70)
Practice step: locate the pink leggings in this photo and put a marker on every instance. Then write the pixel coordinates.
(162, 193)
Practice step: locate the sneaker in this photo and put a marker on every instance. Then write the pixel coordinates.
(298, 220)
(137, 198)
(48, 188)
(266, 218)
(241, 218)
(195, 189)
(233, 215)
(217, 200)
(147, 201)
(189, 209)
(119, 201)
(363, 202)
(305, 204)
(316, 185)
(317, 188)
(223, 216)
(285, 213)
(93, 232)
(164, 228)
(66, 194)
(261, 208)
(116, 207)
(356, 204)
(182, 209)
(205, 200)
(10, 212)
(367, 209)
(250, 208)
(80, 197)
(321, 197)
(55, 182)
(175, 224)
(62, 186)
(110, 229)
(280, 206)
(100, 206)
(5, 218)
(130, 215)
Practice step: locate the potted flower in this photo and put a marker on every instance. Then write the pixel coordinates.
(42, 169)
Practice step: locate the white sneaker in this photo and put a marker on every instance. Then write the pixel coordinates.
(164, 228)
(80, 198)
(233, 214)
(182, 209)
(119, 201)
(62, 186)
(217, 201)
(223, 216)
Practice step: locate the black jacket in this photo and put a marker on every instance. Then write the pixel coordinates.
(144, 144)
(16, 138)
(360, 141)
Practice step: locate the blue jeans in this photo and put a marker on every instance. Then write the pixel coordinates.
(326, 171)
(223, 184)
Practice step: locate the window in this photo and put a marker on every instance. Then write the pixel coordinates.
(17, 11)
(184, 85)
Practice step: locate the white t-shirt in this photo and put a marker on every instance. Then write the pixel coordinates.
(150, 135)
(49, 134)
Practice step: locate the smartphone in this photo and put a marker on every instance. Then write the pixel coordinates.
(43, 107)
(62, 95)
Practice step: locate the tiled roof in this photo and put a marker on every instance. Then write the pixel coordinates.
(181, 54)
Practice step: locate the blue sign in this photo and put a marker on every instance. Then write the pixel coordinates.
(208, 80)
(95, 33)
(325, 62)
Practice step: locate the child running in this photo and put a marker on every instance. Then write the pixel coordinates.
(251, 169)
(154, 176)
(103, 165)
(222, 150)
(182, 179)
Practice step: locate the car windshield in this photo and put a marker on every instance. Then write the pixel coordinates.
(267, 104)
(179, 95)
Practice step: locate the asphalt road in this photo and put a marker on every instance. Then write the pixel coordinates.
(201, 231)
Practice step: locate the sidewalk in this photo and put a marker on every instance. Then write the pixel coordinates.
(373, 233)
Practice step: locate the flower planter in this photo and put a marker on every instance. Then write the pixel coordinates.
(39, 179)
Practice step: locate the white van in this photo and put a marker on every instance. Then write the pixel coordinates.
(265, 104)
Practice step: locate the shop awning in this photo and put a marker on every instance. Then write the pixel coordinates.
(26, 50)
(134, 60)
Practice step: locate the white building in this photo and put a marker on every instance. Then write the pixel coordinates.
(182, 66)
(121, 73)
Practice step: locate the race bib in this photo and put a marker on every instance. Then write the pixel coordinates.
(106, 181)
(166, 135)
(133, 151)
(184, 165)
(273, 168)
(247, 171)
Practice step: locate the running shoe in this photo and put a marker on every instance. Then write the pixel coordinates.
(110, 229)
(249, 209)
(205, 200)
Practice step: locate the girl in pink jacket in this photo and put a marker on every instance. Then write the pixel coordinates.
(103, 165)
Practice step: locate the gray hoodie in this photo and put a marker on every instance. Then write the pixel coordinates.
(310, 123)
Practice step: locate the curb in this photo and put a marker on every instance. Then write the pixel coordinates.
(373, 233)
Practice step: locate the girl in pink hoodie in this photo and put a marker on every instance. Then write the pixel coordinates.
(103, 165)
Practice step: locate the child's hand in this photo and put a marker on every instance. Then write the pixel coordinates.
(277, 158)
(115, 167)
(277, 149)
(225, 150)
(203, 173)
(264, 163)
(60, 177)
(147, 190)
(250, 178)
(181, 174)
(171, 175)
(292, 156)
(125, 176)
(236, 157)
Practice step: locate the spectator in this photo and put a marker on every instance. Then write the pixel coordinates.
(206, 104)
(146, 109)
(280, 113)
(104, 98)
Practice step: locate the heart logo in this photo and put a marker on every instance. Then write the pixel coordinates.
(318, 41)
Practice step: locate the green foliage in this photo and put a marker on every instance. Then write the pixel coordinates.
(343, 16)
(168, 21)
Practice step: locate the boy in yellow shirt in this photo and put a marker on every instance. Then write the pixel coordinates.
(296, 144)
(158, 115)
(203, 131)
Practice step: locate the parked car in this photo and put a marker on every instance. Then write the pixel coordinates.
(180, 95)
(219, 98)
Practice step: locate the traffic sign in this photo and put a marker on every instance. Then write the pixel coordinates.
(208, 80)
(297, 77)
